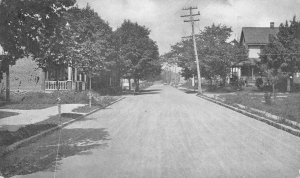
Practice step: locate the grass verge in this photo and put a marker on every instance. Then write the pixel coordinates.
(4, 114)
(85, 109)
(10, 137)
(285, 106)
(40, 100)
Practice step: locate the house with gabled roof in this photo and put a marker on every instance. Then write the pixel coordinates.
(254, 39)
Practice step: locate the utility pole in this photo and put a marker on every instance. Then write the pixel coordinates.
(192, 21)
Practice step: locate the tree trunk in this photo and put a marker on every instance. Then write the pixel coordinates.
(224, 82)
(7, 85)
(273, 88)
(57, 78)
(137, 85)
(90, 82)
(129, 84)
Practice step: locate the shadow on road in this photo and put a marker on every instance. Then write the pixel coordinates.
(41, 155)
(190, 92)
(149, 92)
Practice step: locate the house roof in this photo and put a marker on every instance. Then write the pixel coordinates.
(257, 35)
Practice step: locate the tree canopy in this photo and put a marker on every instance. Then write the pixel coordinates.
(138, 53)
(56, 33)
(281, 57)
(88, 41)
(216, 54)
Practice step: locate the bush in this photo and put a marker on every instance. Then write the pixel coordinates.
(259, 83)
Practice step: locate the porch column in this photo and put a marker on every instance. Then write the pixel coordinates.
(239, 72)
(75, 74)
(69, 82)
(75, 87)
(252, 73)
(83, 83)
(80, 77)
(84, 77)
(69, 73)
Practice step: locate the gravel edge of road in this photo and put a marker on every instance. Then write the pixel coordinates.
(18, 144)
(254, 116)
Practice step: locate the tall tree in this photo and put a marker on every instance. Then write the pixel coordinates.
(89, 45)
(138, 53)
(32, 27)
(216, 54)
(280, 58)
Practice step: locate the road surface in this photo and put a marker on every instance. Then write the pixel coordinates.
(165, 133)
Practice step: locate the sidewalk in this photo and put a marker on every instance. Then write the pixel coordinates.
(26, 117)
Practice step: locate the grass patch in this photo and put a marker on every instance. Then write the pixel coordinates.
(26, 106)
(85, 109)
(286, 107)
(98, 102)
(40, 100)
(4, 114)
(8, 137)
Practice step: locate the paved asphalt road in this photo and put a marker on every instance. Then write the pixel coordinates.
(170, 134)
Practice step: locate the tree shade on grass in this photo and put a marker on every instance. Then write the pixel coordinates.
(4, 114)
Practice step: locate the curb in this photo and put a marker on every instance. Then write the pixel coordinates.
(16, 145)
(254, 116)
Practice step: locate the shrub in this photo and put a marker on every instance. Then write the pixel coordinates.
(259, 83)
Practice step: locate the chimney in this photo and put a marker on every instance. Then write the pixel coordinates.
(272, 25)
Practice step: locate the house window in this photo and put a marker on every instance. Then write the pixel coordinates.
(254, 52)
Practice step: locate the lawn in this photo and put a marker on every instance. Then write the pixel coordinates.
(284, 105)
(7, 137)
(4, 114)
(85, 109)
(40, 100)
(10, 137)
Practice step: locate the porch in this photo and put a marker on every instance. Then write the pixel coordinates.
(246, 71)
(69, 79)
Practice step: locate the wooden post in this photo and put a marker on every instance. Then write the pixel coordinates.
(43, 79)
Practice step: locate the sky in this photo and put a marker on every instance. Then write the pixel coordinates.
(162, 17)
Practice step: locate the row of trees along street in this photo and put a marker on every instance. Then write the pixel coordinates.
(57, 34)
(216, 54)
(279, 59)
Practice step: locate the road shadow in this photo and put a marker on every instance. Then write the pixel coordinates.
(148, 92)
(190, 92)
(41, 155)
